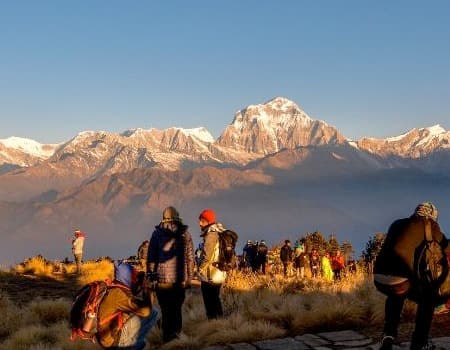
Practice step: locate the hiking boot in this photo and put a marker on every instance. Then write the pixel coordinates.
(387, 342)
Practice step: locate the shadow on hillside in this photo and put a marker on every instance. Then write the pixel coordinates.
(24, 288)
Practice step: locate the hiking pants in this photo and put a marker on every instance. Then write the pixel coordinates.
(211, 299)
(424, 316)
(78, 261)
(171, 301)
(337, 274)
(132, 335)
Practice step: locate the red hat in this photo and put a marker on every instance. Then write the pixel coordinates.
(208, 215)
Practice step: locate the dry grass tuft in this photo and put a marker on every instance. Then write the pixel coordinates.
(36, 265)
(95, 271)
(47, 312)
(256, 308)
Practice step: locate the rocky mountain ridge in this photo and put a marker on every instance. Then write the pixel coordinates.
(256, 131)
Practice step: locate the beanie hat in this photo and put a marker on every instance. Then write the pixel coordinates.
(428, 210)
(208, 215)
(170, 214)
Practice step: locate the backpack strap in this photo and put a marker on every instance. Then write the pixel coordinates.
(428, 235)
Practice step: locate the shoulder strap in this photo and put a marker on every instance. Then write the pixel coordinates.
(428, 235)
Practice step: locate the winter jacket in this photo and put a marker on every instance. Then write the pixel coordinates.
(404, 236)
(119, 301)
(286, 254)
(77, 245)
(327, 273)
(337, 262)
(210, 255)
(171, 255)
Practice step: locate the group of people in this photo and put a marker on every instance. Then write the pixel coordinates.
(296, 261)
(169, 259)
(127, 312)
(254, 256)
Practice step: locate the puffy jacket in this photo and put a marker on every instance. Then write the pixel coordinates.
(210, 255)
(404, 236)
(171, 254)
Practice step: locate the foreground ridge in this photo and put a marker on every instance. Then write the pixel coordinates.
(339, 340)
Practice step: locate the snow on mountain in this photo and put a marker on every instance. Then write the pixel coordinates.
(415, 143)
(29, 146)
(277, 124)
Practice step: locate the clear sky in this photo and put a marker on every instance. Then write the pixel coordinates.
(370, 68)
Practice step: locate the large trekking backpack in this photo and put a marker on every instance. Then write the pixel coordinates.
(227, 250)
(84, 312)
(431, 265)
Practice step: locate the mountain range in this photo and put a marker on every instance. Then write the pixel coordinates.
(273, 173)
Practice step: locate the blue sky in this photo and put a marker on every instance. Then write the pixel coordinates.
(370, 68)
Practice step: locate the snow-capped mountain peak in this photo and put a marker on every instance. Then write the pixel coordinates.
(29, 146)
(279, 123)
(200, 133)
(436, 130)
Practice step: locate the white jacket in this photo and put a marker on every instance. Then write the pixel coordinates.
(77, 245)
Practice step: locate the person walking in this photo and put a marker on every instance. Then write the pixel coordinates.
(170, 266)
(77, 248)
(395, 270)
(261, 256)
(286, 255)
(210, 276)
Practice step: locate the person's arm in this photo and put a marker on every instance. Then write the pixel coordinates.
(153, 254)
(189, 258)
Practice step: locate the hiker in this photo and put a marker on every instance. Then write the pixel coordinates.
(247, 255)
(327, 272)
(121, 304)
(142, 254)
(394, 269)
(210, 276)
(261, 257)
(337, 265)
(286, 255)
(77, 248)
(300, 261)
(170, 265)
(314, 262)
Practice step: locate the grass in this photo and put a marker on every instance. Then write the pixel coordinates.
(256, 308)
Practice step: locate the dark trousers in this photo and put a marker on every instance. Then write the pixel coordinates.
(211, 299)
(285, 268)
(171, 301)
(337, 274)
(424, 316)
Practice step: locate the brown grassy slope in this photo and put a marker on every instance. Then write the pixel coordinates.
(256, 308)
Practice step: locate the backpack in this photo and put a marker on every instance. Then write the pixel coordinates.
(84, 312)
(227, 253)
(431, 265)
